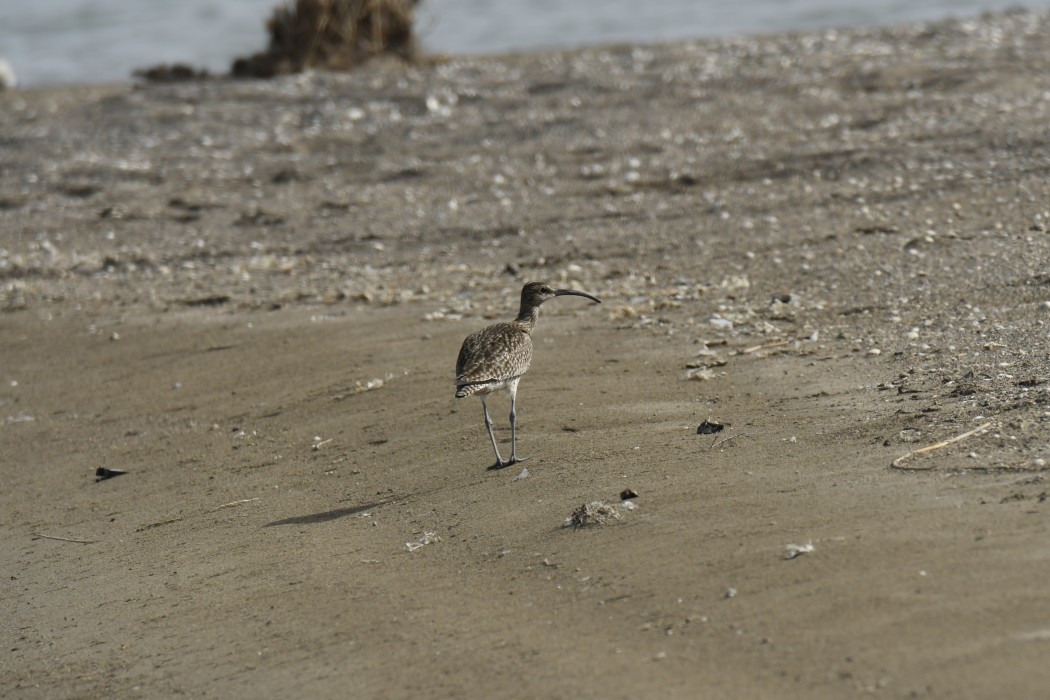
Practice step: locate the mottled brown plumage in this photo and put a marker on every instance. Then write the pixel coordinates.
(495, 357)
(491, 357)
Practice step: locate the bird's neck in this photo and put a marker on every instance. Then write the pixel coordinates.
(527, 316)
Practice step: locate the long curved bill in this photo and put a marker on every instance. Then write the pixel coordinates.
(574, 293)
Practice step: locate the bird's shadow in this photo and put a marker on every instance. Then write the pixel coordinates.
(325, 516)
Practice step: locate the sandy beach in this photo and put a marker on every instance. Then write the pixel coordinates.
(249, 296)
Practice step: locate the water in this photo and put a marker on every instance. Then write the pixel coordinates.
(88, 41)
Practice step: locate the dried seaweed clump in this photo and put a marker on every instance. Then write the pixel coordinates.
(333, 35)
(590, 514)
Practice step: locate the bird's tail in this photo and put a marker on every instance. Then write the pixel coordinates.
(464, 390)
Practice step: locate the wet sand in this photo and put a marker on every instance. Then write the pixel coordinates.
(249, 297)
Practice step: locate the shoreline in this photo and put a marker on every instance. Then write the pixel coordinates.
(217, 63)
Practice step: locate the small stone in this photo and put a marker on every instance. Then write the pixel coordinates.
(722, 323)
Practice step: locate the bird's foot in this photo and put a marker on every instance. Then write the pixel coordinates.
(503, 464)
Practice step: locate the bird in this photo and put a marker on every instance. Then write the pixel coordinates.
(496, 357)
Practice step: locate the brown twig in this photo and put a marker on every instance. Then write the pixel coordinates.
(937, 446)
(722, 442)
(767, 346)
(231, 504)
(63, 539)
(158, 524)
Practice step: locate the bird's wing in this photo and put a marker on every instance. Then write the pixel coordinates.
(499, 352)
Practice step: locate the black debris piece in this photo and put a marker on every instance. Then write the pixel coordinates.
(103, 473)
(709, 428)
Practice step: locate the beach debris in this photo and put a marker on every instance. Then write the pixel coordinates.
(702, 374)
(730, 593)
(375, 383)
(725, 440)
(319, 443)
(709, 428)
(909, 434)
(159, 523)
(523, 474)
(713, 361)
(704, 369)
(734, 283)
(590, 514)
(628, 494)
(210, 300)
(628, 505)
(706, 352)
(1042, 635)
(103, 473)
(233, 504)
(62, 539)
(427, 538)
(899, 462)
(332, 35)
(766, 346)
(371, 384)
(797, 550)
(443, 315)
(623, 312)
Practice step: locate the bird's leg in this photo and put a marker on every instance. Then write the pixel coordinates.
(488, 425)
(514, 458)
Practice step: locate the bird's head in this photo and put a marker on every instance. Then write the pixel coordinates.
(535, 293)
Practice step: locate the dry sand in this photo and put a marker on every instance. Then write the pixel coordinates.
(833, 243)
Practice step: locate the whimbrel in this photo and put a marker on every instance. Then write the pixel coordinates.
(495, 357)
